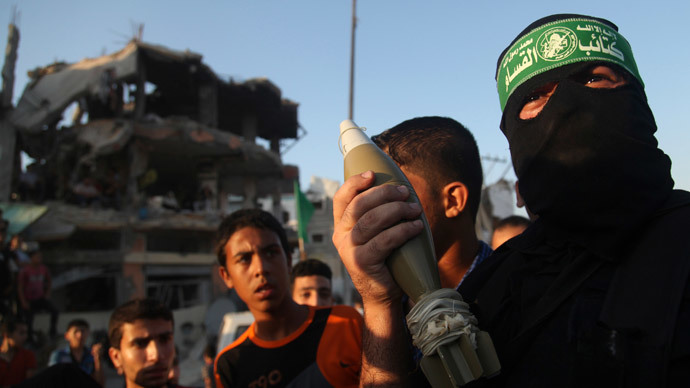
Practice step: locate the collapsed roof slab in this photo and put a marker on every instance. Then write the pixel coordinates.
(47, 96)
(180, 145)
(184, 137)
(179, 137)
(180, 77)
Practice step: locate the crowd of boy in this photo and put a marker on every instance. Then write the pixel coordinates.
(25, 282)
(256, 264)
(24, 290)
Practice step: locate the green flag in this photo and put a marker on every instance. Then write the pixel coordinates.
(304, 212)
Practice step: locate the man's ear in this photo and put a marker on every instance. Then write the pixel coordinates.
(455, 196)
(223, 272)
(115, 358)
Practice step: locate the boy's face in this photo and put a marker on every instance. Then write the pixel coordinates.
(432, 204)
(76, 336)
(313, 290)
(36, 258)
(18, 337)
(146, 352)
(15, 242)
(256, 267)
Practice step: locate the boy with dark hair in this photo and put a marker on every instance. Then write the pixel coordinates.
(141, 342)
(76, 351)
(311, 283)
(16, 363)
(439, 149)
(508, 228)
(288, 344)
(441, 160)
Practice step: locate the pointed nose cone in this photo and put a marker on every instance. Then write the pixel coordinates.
(347, 124)
(351, 136)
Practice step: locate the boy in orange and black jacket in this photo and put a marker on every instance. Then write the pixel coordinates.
(288, 344)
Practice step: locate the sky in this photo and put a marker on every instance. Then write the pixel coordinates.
(413, 58)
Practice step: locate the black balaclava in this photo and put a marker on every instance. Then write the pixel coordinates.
(588, 164)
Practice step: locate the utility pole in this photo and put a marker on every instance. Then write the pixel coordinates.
(352, 59)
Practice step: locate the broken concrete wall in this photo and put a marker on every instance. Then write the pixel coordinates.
(8, 136)
(140, 176)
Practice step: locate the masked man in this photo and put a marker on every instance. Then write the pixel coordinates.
(595, 290)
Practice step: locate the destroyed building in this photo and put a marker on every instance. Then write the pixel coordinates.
(133, 183)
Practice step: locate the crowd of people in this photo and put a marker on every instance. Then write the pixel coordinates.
(140, 332)
(25, 282)
(590, 291)
(26, 285)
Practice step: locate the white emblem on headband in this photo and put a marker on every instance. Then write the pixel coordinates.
(556, 44)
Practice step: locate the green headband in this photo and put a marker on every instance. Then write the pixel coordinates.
(558, 44)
